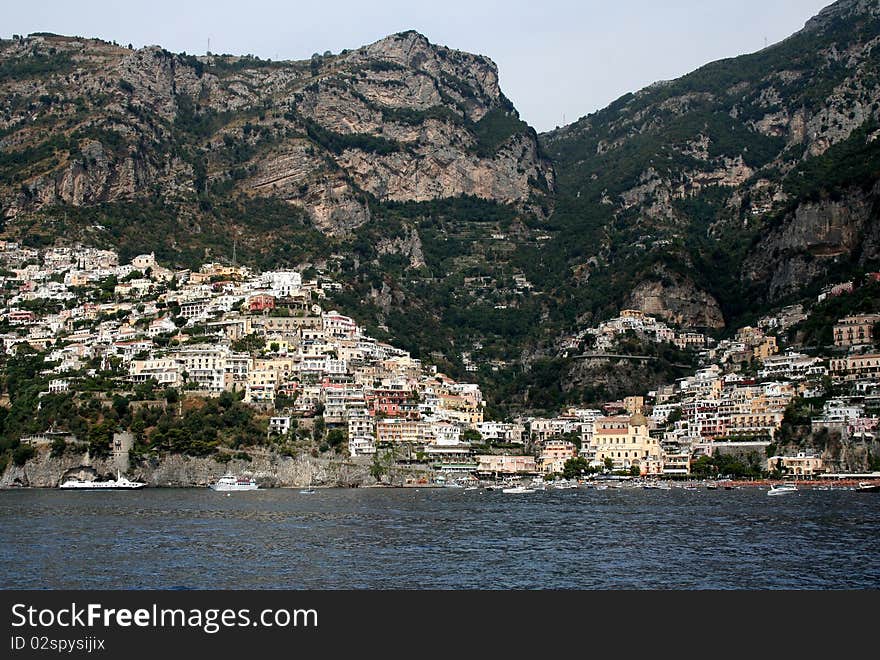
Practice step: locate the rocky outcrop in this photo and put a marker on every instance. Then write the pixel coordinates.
(812, 239)
(269, 470)
(677, 300)
(408, 245)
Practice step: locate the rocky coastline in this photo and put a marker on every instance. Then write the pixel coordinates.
(270, 470)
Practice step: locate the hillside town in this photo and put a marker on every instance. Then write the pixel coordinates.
(270, 339)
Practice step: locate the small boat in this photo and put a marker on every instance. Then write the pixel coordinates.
(229, 482)
(517, 490)
(308, 490)
(120, 483)
(782, 489)
(867, 487)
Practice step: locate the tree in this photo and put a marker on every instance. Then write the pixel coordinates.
(471, 435)
(22, 454)
(778, 469)
(702, 467)
(573, 437)
(575, 467)
(59, 446)
(609, 463)
(335, 438)
(381, 465)
(318, 430)
(100, 436)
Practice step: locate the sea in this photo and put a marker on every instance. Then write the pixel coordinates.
(411, 538)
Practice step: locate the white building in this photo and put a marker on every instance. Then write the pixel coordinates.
(284, 283)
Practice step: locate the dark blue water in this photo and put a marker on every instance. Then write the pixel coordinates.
(444, 539)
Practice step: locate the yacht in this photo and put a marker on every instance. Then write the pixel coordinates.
(782, 489)
(517, 490)
(229, 482)
(867, 487)
(119, 483)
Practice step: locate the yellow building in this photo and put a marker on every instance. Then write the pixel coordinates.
(396, 430)
(625, 440)
(766, 348)
(634, 404)
(802, 465)
(855, 367)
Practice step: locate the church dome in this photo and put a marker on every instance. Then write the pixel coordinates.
(638, 420)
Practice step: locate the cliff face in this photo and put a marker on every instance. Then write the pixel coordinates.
(270, 471)
(751, 177)
(812, 238)
(677, 300)
(87, 122)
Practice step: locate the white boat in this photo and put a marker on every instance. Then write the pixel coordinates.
(119, 483)
(782, 489)
(564, 485)
(517, 489)
(867, 487)
(229, 482)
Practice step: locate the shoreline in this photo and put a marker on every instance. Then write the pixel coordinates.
(703, 484)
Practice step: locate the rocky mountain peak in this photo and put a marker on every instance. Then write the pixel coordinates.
(842, 10)
(397, 120)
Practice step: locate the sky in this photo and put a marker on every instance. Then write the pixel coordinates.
(558, 60)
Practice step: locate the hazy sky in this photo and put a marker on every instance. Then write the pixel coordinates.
(558, 59)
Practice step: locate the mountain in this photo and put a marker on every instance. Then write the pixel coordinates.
(742, 185)
(401, 170)
(390, 167)
(87, 122)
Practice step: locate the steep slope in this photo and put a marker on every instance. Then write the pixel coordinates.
(735, 187)
(402, 171)
(86, 122)
(399, 168)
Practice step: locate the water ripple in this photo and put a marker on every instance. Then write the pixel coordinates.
(441, 539)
